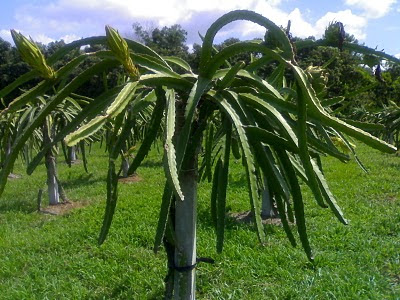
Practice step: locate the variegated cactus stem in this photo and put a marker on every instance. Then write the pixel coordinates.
(318, 77)
(32, 55)
(120, 49)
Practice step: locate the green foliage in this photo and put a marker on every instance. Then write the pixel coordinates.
(351, 262)
(167, 41)
(171, 168)
(230, 102)
(335, 35)
(11, 67)
(344, 75)
(286, 106)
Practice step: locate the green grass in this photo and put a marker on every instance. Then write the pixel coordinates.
(57, 257)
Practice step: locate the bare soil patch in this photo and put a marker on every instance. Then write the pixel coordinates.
(76, 162)
(391, 198)
(248, 217)
(130, 179)
(63, 208)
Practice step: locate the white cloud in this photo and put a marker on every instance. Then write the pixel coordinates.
(299, 26)
(60, 18)
(219, 5)
(6, 35)
(68, 38)
(39, 38)
(397, 55)
(353, 24)
(66, 19)
(372, 8)
(42, 38)
(72, 13)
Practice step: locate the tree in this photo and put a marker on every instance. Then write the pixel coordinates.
(11, 67)
(281, 127)
(6, 54)
(167, 41)
(364, 91)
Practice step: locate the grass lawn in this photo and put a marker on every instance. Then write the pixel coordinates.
(45, 256)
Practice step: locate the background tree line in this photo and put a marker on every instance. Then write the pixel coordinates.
(368, 84)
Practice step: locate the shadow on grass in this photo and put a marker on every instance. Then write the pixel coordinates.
(19, 205)
(232, 223)
(151, 164)
(82, 180)
(204, 217)
(27, 203)
(393, 163)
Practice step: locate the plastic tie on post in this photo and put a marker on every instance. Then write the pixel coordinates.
(191, 267)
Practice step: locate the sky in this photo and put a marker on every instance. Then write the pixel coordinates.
(373, 22)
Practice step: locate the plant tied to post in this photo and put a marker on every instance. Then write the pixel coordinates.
(277, 125)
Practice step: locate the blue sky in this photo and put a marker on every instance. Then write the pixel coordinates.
(375, 23)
